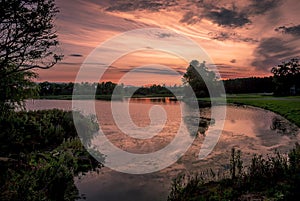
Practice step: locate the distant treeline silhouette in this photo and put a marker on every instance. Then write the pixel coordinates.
(103, 88)
(232, 86)
(249, 85)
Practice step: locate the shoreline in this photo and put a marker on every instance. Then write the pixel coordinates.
(287, 107)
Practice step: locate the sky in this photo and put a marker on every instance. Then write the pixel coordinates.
(242, 38)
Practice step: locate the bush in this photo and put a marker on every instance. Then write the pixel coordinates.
(23, 132)
(40, 154)
(274, 177)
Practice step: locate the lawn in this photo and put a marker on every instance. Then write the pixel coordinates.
(288, 107)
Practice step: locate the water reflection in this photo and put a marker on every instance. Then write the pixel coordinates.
(283, 127)
(202, 124)
(250, 129)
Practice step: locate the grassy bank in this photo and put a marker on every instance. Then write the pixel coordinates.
(288, 107)
(274, 177)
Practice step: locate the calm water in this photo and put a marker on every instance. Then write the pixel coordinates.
(250, 129)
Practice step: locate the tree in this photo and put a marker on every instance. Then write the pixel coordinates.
(15, 88)
(200, 79)
(287, 77)
(27, 41)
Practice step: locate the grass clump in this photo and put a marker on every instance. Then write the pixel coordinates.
(274, 177)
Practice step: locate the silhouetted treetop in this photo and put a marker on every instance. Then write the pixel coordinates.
(287, 77)
(200, 78)
(28, 39)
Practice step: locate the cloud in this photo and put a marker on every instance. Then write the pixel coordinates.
(228, 14)
(271, 51)
(259, 7)
(75, 55)
(293, 30)
(232, 36)
(227, 17)
(164, 35)
(80, 63)
(219, 12)
(190, 18)
(233, 61)
(150, 70)
(132, 5)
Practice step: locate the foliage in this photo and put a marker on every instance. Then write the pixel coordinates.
(27, 41)
(28, 38)
(249, 85)
(38, 130)
(201, 79)
(104, 90)
(48, 89)
(236, 165)
(287, 76)
(40, 154)
(14, 89)
(47, 175)
(274, 177)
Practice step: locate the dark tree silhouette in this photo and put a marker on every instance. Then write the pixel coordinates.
(200, 78)
(27, 41)
(287, 77)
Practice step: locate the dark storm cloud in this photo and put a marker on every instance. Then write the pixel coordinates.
(216, 11)
(132, 5)
(190, 18)
(272, 51)
(228, 17)
(232, 36)
(76, 55)
(219, 15)
(293, 30)
(259, 7)
(164, 35)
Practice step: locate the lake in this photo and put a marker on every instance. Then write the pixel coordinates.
(252, 130)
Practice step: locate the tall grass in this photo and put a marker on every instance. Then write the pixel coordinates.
(275, 177)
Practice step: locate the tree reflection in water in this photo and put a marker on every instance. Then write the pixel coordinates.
(283, 127)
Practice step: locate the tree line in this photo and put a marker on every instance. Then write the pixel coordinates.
(249, 85)
(232, 86)
(103, 88)
(285, 80)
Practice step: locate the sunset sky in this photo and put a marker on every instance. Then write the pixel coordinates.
(243, 38)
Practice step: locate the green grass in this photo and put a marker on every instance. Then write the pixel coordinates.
(271, 177)
(288, 107)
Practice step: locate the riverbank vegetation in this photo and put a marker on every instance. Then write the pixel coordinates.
(275, 177)
(41, 153)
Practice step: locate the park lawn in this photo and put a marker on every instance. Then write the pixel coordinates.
(288, 107)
